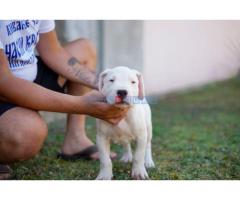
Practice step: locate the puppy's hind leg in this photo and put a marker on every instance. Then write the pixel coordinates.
(148, 154)
(127, 155)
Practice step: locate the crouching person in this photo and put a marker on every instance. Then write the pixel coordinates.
(58, 80)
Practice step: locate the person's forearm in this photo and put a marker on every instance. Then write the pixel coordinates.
(33, 96)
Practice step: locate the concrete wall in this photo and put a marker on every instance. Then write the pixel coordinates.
(123, 43)
(183, 54)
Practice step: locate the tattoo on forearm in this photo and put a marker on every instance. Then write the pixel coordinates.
(82, 73)
(72, 61)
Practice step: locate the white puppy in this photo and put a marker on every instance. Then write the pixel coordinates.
(124, 85)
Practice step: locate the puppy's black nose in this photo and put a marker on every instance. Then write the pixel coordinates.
(122, 93)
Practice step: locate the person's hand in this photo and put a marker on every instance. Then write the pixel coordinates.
(96, 106)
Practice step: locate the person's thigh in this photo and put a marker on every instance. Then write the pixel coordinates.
(22, 133)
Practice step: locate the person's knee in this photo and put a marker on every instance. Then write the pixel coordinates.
(31, 141)
(89, 50)
(88, 46)
(25, 142)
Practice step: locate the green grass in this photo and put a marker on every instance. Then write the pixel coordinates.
(196, 135)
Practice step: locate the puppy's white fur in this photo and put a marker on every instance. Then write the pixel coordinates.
(136, 125)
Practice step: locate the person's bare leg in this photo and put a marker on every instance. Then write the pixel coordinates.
(22, 133)
(76, 138)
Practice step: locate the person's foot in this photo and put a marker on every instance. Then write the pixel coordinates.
(4, 172)
(72, 146)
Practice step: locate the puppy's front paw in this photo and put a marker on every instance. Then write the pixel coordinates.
(104, 175)
(149, 163)
(139, 173)
(127, 157)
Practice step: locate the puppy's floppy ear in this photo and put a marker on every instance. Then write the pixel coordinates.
(101, 78)
(141, 90)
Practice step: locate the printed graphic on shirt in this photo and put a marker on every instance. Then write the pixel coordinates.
(16, 26)
(24, 44)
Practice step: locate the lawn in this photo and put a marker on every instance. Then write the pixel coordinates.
(196, 135)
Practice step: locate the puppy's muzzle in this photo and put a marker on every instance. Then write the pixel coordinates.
(122, 93)
(121, 96)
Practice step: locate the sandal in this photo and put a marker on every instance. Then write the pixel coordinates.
(85, 154)
(4, 172)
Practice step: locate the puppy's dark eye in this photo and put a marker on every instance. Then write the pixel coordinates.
(133, 82)
(111, 80)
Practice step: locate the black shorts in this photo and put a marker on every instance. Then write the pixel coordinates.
(45, 77)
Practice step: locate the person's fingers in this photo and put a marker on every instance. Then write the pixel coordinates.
(121, 113)
(115, 107)
(122, 109)
(114, 121)
(111, 121)
(119, 117)
(113, 114)
(121, 106)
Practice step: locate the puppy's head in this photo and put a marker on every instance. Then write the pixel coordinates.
(121, 85)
